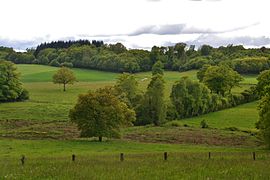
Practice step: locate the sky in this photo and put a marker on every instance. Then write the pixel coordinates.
(136, 23)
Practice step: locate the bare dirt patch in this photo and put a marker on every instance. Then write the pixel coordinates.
(181, 135)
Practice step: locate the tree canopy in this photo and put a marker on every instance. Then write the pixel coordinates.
(117, 58)
(101, 114)
(220, 79)
(64, 76)
(190, 98)
(10, 85)
(263, 83)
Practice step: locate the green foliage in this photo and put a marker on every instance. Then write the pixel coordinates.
(201, 72)
(221, 79)
(118, 48)
(263, 89)
(20, 58)
(66, 64)
(205, 50)
(190, 98)
(10, 85)
(204, 124)
(252, 65)
(54, 63)
(196, 63)
(264, 122)
(153, 108)
(101, 114)
(116, 58)
(127, 89)
(263, 82)
(64, 76)
(43, 60)
(158, 68)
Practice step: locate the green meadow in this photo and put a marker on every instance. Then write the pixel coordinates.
(49, 103)
(40, 129)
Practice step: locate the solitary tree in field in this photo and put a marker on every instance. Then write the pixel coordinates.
(64, 76)
(101, 114)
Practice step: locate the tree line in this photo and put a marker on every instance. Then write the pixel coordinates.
(117, 58)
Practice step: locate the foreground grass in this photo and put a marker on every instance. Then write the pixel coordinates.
(142, 166)
(94, 160)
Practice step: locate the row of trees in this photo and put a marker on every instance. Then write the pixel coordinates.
(116, 57)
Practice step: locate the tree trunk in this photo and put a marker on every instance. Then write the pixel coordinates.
(64, 87)
(100, 138)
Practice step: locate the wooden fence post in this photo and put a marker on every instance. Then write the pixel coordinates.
(22, 159)
(73, 157)
(209, 155)
(122, 157)
(165, 156)
(254, 156)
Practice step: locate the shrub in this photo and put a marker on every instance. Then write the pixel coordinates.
(54, 63)
(204, 124)
(66, 64)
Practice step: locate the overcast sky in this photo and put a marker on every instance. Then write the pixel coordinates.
(136, 23)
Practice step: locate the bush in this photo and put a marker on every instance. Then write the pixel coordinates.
(24, 95)
(175, 124)
(66, 64)
(54, 63)
(204, 124)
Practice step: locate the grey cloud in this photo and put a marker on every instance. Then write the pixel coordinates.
(170, 29)
(217, 41)
(20, 44)
(173, 29)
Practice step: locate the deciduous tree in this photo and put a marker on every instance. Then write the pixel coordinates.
(64, 76)
(101, 114)
(10, 85)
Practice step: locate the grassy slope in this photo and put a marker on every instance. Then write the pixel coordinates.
(242, 117)
(47, 159)
(47, 99)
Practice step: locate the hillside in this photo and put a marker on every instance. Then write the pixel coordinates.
(45, 115)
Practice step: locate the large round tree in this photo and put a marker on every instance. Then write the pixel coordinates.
(10, 85)
(101, 114)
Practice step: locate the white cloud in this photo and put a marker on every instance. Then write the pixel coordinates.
(150, 22)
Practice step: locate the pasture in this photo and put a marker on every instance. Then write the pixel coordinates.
(49, 103)
(48, 139)
(52, 160)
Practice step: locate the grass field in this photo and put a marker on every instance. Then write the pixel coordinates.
(40, 130)
(47, 99)
(242, 117)
(94, 160)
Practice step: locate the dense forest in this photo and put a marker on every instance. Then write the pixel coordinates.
(117, 58)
